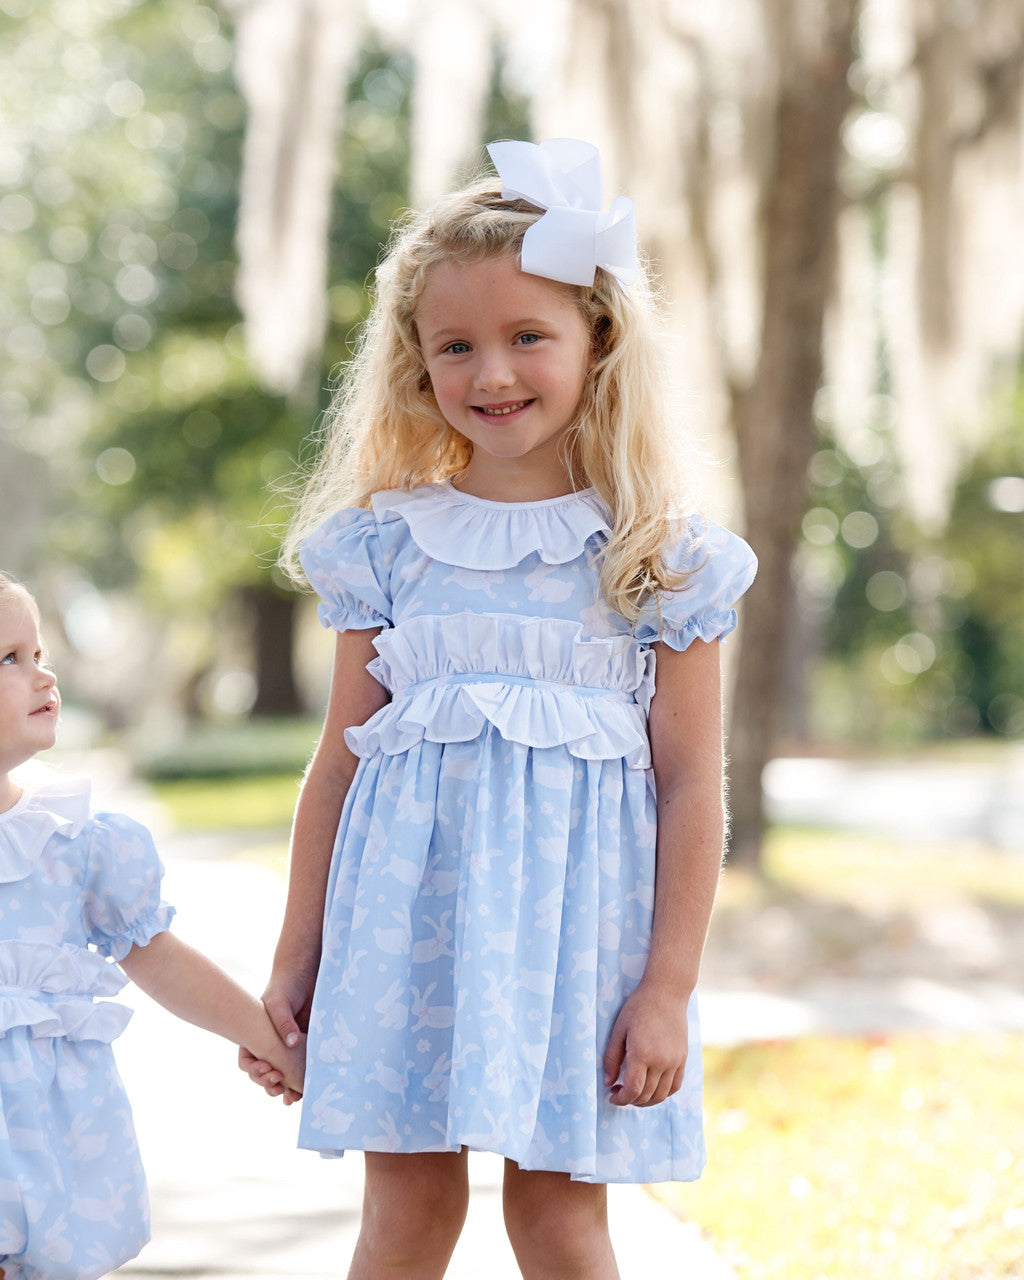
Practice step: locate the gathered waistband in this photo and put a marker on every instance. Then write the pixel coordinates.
(457, 678)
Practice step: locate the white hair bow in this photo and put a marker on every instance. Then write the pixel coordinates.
(573, 238)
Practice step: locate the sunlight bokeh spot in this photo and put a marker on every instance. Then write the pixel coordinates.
(50, 305)
(178, 250)
(125, 98)
(136, 284)
(886, 591)
(68, 244)
(1007, 494)
(132, 332)
(105, 363)
(17, 213)
(859, 529)
(115, 466)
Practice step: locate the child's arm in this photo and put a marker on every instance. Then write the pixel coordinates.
(191, 986)
(647, 1050)
(355, 696)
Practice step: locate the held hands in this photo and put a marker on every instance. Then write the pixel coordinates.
(286, 999)
(646, 1054)
(290, 1068)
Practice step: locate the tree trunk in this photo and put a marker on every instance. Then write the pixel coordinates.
(273, 638)
(774, 416)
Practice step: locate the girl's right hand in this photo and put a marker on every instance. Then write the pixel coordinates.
(286, 1001)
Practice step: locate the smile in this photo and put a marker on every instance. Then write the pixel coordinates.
(500, 411)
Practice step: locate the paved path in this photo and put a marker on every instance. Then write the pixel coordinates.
(906, 799)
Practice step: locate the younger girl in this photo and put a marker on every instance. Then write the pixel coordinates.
(79, 891)
(512, 827)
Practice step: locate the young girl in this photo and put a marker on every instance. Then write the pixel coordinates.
(512, 827)
(79, 891)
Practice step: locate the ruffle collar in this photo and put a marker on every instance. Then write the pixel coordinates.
(51, 805)
(475, 533)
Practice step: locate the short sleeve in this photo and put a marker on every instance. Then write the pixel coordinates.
(345, 565)
(123, 906)
(721, 568)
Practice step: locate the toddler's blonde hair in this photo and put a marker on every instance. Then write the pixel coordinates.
(12, 587)
(383, 429)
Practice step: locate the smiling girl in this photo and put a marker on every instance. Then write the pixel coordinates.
(508, 841)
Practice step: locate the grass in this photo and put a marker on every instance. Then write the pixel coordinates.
(876, 873)
(258, 801)
(253, 748)
(841, 1159)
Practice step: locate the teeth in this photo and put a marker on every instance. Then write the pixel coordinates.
(500, 413)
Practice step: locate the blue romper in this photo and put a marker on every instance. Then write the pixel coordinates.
(490, 897)
(75, 889)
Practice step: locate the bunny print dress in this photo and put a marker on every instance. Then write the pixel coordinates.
(76, 891)
(490, 898)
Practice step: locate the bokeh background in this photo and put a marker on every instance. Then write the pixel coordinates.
(192, 200)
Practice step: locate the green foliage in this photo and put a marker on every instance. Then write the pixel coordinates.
(922, 636)
(216, 753)
(264, 802)
(986, 535)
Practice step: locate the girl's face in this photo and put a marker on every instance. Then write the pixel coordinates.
(29, 701)
(507, 355)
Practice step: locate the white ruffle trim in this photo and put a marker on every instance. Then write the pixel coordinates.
(55, 805)
(50, 989)
(472, 533)
(536, 680)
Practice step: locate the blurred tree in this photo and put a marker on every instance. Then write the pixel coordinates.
(164, 457)
(831, 189)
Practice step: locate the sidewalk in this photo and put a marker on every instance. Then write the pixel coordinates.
(231, 1195)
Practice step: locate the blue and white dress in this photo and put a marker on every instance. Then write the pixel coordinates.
(76, 891)
(490, 897)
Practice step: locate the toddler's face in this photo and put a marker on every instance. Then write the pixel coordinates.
(507, 354)
(29, 701)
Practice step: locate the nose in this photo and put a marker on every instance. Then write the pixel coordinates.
(494, 371)
(46, 678)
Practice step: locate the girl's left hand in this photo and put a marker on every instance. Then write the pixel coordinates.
(646, 1055)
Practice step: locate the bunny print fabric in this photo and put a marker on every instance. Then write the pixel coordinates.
(491, 893)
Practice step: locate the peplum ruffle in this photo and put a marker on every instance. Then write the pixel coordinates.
(473, 533)
(50, 989)
(538, 681)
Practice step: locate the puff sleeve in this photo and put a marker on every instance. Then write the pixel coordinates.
(721, 567)
(345, 564)
(123, 906)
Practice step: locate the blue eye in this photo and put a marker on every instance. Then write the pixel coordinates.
(528, 339)
(10, 658)
(457, 348)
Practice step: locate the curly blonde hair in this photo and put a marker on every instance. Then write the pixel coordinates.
(383, 429)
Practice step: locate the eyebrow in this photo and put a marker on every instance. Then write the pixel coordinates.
(525, 324)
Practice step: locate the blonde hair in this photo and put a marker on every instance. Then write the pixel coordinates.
(12, 587)
(383, 429)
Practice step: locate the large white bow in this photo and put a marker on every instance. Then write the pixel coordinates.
(573, 238)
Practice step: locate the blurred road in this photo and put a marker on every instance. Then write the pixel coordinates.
(929, 800)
